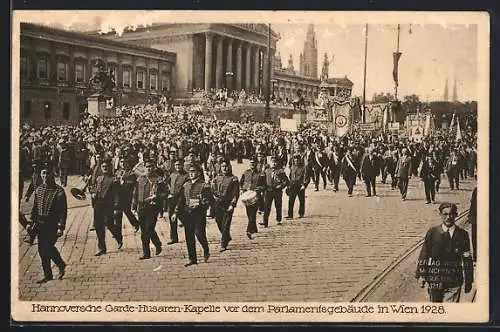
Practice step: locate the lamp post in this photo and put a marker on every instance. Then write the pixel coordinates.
(229, 79)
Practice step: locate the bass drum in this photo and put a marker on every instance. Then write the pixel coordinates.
(249, 198)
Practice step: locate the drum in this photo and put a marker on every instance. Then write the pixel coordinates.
(249, 198)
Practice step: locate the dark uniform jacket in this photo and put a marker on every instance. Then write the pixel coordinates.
(445, 262)
(177, 180)
(195, 197)
(429, 172)
(50, 206)
(369, 167)
(298, 177)
(226, 190)
(251, 180)
(403, 167)
(106, 192)
(148, 191)
(276, 179)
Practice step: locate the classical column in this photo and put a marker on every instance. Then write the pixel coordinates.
(239, 72)
(256, 59)
(208, 61)
(265, 73)
(248, 71)
(218, 66)
(229, 65)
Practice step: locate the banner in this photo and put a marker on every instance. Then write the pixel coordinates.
(289, 125)
(341, 113)
(459, 132)
(397, 56)
(367, 126)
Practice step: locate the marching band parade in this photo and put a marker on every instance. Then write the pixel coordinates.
(153, 163)
(173, 175)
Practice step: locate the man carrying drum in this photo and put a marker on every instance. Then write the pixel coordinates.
(252, 184)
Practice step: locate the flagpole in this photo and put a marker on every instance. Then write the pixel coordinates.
(397, 52)
(364, 73)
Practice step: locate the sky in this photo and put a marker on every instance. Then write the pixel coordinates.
(432, 52)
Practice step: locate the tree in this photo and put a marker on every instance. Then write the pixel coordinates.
(382, 98)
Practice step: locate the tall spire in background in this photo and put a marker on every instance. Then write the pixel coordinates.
(455, 97)
(445, 97)
(309, 63)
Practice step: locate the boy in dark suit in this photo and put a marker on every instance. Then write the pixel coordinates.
(445, 261)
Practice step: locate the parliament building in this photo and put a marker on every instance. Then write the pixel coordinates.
(174, 59)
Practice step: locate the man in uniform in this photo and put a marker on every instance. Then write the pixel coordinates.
(177, 180)
(253, 179)
(453, 170)
(445, 261)
(349, 171)
(48, 217)
(429, 175)
(276, 181)
(226, 191)
(146, 202)
(194, 199)
(36, 180)
(368, 170)
(127, 180)
(299, 180)
(64, 161)
(106, 203)
(403, 172)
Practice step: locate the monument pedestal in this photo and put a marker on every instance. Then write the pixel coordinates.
(300, 116)
(101, 105)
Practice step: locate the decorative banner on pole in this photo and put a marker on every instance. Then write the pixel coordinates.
(452, 123)
(459, 132)
(342, 117)
(289, 125)
(396, 56)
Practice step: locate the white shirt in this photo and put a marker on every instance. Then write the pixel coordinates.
(450, 230)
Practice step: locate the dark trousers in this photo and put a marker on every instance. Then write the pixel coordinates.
(301, 194)
(174, 236)
(317, 173)
(430, 190)
(350, 181)
(223, 219)
(103, 218)
(148, 216)
(195, 224)
(403, 186)
(370, 185)
(80, 166)
(252, 218)
(47, 237)
(64, 176)
(126, 206)
(453, 179)
(269, 197)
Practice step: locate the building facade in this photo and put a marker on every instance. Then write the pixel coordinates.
(56, 66)
(210, 56)
(287, 82)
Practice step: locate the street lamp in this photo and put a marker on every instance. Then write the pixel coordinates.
(273, 81)
(229, 76)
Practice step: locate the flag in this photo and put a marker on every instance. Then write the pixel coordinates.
(397, 56)
(342, 118)
(459, 132)
(452, 122)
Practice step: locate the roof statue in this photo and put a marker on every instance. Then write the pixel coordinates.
(324, 70)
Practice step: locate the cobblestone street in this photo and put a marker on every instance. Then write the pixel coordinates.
(328, 256)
